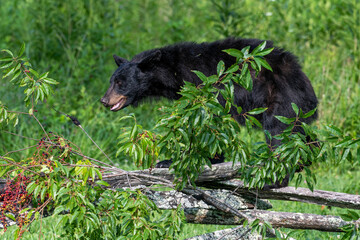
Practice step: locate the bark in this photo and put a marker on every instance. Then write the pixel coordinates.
(229, 234)
(171, 199)
(320, 197)
(198, 211)
(218, 172)
(232, 201)
(221, 176)
(276, 219)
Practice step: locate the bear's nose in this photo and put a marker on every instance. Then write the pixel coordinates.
(104, 101)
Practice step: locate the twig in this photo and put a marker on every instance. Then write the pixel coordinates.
(33, 115)
(95, 143)
(18, 135)
(95, 160)
(78, 124)
(18, 165)
(19, 150)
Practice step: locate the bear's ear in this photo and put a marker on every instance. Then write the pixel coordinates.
(150, 60)
(119, 60)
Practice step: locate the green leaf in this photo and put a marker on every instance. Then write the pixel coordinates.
(233, 68)
(46, 89)
(285, 119)
(200, 75)
(254, 121)
(50, 80)
(255, 66)
(295, 108)
(264, 63)
(344, 143)
(53, 190)
(21, 50)
(37, 190)
(257, 111)
(248, 82)
(134, 131)
(35, 73)
(8, 51)
(334, 130)
(6, 65)
(31, 187)
(6, 59)
(103, 183)
(42, 194)
(220, 68)
(9, 215)
(259, 48)
(9, 73)
(265, 52)
(98, 173)
(184, 134)
(234, 52)
(258, 65)
(16, 75)
(126, 117)
(59, 209)
(74, 216)
(44, 75)
(310, 113)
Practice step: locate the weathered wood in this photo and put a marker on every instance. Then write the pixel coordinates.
(326, 223)
(229, 234)
(237, 198)
(171, 199)
(319, 197)
(218, 172)
(197, 211)
(220, 176)
(308, 221)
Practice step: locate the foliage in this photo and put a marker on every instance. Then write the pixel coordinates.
(37, 85)
(75, 41)
(197, 128)
(59, 179)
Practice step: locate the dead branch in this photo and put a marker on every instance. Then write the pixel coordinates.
(220, 177)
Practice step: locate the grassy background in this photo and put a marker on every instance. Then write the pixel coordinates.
(75, 40)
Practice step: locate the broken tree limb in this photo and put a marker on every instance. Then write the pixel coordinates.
(238, 198)
(229, 234)
(320, 197)
(171, 199)
(307, 221)
(220, 176)
(200, 212)
(218, 172)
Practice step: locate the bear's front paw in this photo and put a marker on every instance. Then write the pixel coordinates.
(164, 164)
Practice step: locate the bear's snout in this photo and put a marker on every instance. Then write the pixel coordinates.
(104, 101)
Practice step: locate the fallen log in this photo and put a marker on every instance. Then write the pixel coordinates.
(197, 211)
(221, 177)
(234, 196)
(319, 197)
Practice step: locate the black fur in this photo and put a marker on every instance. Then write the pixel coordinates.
(162, 72)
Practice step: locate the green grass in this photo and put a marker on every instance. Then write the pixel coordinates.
(75, 40)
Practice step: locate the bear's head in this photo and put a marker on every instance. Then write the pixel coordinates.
(131, 81)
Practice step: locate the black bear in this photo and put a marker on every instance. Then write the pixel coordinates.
(162, 72)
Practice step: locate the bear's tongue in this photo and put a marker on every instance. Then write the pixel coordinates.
(115, 106)
(118, 105)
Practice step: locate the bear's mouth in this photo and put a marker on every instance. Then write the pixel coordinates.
(119, 104)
